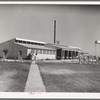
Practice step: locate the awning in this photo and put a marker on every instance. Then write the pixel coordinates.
(31, 46)
(57, 46)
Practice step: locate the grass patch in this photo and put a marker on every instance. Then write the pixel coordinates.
(13, 76)
(65, 77)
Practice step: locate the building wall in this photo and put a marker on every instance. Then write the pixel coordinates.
(9, 45)
(13, 51)
(26, 51)
(43, 55)
(16, 51)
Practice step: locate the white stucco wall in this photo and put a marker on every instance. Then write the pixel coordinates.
(45, 56)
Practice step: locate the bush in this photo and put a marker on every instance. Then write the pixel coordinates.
(29, 57)
(47, 59)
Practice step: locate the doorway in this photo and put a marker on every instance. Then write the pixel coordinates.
(4, 55)
(59, 54)
(20, 54)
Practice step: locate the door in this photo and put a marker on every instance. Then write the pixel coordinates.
(59, 54)
(20, 54)
(4, 55)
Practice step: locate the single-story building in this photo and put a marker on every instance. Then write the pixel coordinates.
(20, 48)
(65, 52)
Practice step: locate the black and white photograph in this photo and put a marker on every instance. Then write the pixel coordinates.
(49, 48)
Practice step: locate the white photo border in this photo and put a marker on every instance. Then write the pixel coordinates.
(50, 95)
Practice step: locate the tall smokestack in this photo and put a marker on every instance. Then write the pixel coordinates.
(54, 31)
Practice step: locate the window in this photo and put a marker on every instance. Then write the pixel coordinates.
(50, 52)
(44, 52)
(37, 51)
(31, 43)
(47, 51)
(35, 43)
(16, 41)
(32, 50)
(24, 41)
(41, 44)
(40, 51)
(28, 42)
(20, 41)
(53, 52)
(20, 54)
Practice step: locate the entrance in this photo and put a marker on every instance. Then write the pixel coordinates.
(4, 55)
(59, 54)
(5, 51)
(66, 54)
(20, 54)
(70, 54)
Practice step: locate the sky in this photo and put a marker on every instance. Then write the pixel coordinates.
(77, 26)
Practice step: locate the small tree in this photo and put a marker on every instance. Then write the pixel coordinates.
(5, 52)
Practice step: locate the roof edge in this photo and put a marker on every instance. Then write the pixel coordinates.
(29, 40)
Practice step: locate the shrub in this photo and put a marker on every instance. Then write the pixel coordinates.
(29, 57)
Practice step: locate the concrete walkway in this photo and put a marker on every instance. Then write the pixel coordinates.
(34, 82)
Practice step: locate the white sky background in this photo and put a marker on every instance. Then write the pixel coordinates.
(76, 25)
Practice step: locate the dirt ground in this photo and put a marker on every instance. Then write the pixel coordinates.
(66, 77)
(13, 76)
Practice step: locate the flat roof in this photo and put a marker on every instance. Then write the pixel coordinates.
(57, 46)
(74, 47)
(35, 46)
